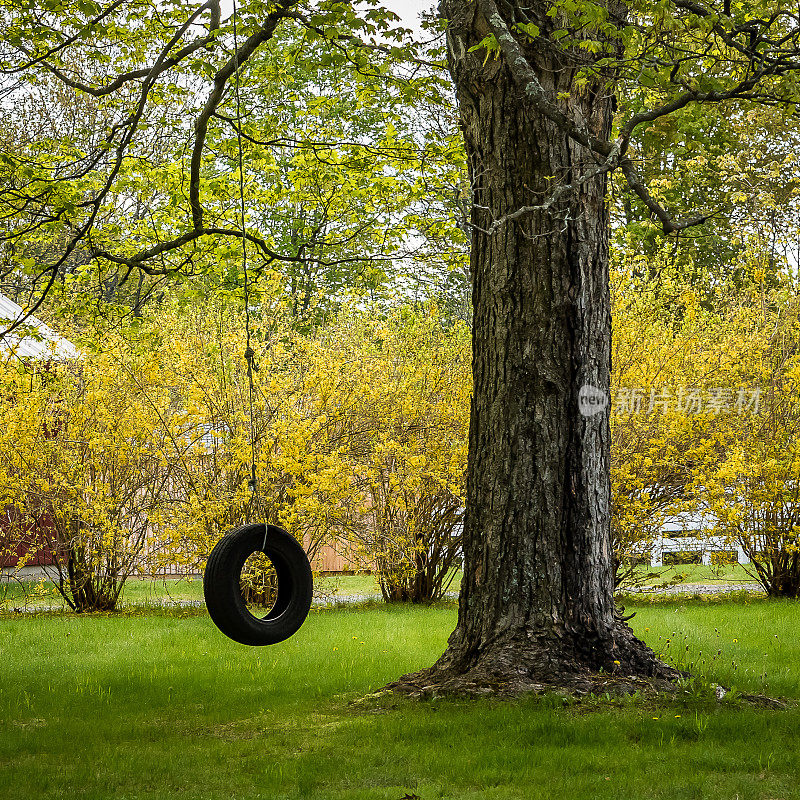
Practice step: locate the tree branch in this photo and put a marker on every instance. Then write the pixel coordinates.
(613, 152)
(145, 72)
(263, 34)
(526, 78)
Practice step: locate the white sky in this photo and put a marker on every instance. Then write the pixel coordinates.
(409, 10)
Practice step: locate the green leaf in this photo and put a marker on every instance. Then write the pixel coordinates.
(88, 8)
(530, 29)
(488, 42)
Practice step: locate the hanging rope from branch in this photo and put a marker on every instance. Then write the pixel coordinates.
(249, 353)
(226, 575)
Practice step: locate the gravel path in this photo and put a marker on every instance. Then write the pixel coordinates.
(698, 588)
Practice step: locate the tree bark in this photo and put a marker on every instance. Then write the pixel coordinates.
(536, 607)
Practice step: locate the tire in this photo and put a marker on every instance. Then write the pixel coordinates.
(223, 594)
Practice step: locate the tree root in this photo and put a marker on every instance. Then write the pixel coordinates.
(522, 661)
(431, 683)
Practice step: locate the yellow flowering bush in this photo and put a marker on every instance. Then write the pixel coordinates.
(139, 453)
(682, 381)
(85, 466)
(137, 456)
(390, 396)
(657, 362)
(360, 432)
(753, 491)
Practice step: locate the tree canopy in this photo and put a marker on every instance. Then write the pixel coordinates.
(118, 151)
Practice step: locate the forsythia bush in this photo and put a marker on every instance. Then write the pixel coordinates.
(667, 364)
(360, 435)
(137, 455)
(705, 417)
(753, 490)
(390, 409)
(86, 459)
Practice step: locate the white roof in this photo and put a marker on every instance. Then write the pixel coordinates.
(34, 339)
(687, 521)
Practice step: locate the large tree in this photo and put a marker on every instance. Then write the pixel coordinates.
(536, 85)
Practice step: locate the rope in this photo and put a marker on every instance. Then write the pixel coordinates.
(249, 353)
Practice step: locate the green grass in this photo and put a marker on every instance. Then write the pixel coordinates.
(157, 705)
(694, 573)
(33, 594)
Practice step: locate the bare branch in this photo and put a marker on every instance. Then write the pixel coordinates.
(557, 194)
(146, 72)
(669, 225)
(140, 259)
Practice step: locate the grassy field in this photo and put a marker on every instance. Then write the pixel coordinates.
(31, 594)
(161, 705)
(694, 573)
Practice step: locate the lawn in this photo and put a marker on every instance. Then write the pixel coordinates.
(159, 704)
(32, 594)
(694, 573)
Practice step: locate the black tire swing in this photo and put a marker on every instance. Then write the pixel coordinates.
(225, 593)
(231, 580)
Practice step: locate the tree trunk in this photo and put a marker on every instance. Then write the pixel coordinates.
(536, 607)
